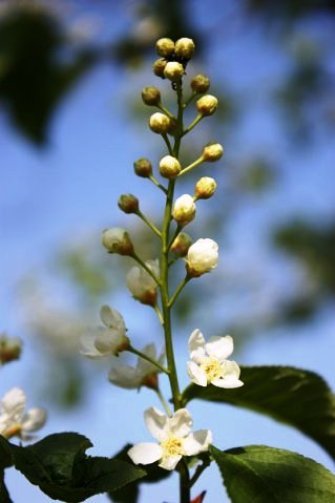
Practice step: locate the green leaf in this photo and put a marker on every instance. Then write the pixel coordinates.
(293, 396)
(4, 494)
(262, 474)
(131, 492)
(59, 466)
(5, 453)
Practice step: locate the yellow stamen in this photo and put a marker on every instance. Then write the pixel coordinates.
(212, 368)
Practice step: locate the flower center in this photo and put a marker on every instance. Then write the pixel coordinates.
(212, 368)
(173, 446)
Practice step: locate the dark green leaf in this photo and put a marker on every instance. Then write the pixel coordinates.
(130, 493)
(4, 494)
(263, 474)
(59, 466)
(293, 396)
(5, 453)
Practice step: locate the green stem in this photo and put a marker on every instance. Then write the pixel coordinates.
(198, 472)
(149, 224)
(193, 124)
(177, 231)
(159, 314)
(194, 164)
(163, 402)
(164, 288)
(168, 144)
(184, 483)
(144, 356)
(190, 99)
(166, 111)
(178, 290)
(156, 182)
(146, 268)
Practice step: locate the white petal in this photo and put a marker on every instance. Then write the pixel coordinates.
(88, 347)
(108, 341)
(170, 462)
(13, 403)
(143, 366)
(145, 453)
(220, 347)
(180, 423)
(157, 423)
(34, 419)
(197, 442)
(111, 318)
(227, 383)
(124, 376)
(196, 345)
(230, 376)
(196, 374)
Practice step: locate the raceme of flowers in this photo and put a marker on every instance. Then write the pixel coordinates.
(174, 438)
(14, 420)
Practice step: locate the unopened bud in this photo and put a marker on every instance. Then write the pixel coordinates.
(181, 244)
(128, 203)
(169, 167)
(202, 257)
(200, 84)
(212, 152)
(159, 123)
(184, 48)
(10, 348)
(207, 104)
(151, 96)
(117, 240)
(205, 187)
(165, 47)
(174, 71)
(143, 167)
(184, 209)
(158, 67)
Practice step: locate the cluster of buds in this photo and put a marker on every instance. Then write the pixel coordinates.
(174, 57)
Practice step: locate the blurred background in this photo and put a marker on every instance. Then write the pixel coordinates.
(72, 124)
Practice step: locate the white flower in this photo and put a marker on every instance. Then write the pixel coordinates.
(202, 256)
(117, 240)
(208, 363)
(184, 209)
(106, 341)
(144, 374)
(174, 439)
(13, 418)
(142, 286)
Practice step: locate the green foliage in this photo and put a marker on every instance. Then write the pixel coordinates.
(293, 396)
(32, 80)
(263, 474)
(59, 466)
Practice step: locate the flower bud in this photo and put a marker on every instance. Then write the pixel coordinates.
(207, 104)
(181, 244)
(200, 83)
(143, 167)
(212, 152)
(128, 203)
(165, 47)
(159, 123)
(205, 187)
(140, 283)
(174, 71)
(169, 167)
(184, 209)
(184, 48)
(117, 240)
(10, 348)
(202, 257)
(151, 96)
(158, 67)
